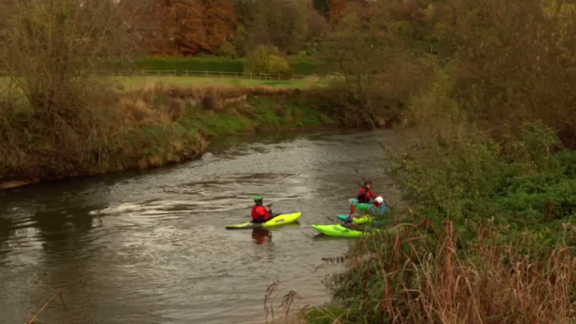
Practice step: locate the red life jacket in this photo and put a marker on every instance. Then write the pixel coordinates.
(364, 195)
(260, 213)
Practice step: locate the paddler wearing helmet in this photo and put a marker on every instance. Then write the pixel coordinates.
(366, 193)
(260, 214)
(378, 207)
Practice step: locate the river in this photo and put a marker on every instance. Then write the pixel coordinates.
(150, 247)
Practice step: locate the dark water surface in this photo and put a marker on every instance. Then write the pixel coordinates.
(150, 247)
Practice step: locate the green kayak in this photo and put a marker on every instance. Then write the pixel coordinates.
(337, 230)
(356, 220)
(360, 206)
(343, 231)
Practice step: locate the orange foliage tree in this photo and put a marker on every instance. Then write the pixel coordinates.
(219, 22)
(180, 27)
(186, 26)
(337, 8)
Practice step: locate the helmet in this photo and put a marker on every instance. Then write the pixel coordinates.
(380, 200)
(258, 198)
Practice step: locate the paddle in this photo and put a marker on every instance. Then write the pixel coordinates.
(363, 179)
(358, 173)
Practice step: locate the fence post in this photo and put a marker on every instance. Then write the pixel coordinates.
(206, 73)
(250, 75)
(186, 73)
(236, 75)
(220, 73)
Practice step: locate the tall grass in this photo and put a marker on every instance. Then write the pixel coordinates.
(417, 277)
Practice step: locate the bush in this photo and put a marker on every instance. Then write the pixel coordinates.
(267, 60)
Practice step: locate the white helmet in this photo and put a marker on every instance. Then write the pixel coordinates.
(380, 200)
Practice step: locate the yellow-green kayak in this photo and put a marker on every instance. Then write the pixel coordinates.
(337, 230)
(276, 221)
(356, 220)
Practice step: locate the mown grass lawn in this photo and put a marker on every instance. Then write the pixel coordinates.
(130, 82)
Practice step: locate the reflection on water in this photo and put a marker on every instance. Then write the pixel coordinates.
(261, 235)
(150, 247)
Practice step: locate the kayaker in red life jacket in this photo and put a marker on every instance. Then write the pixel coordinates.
(366, 193)
(260, 214)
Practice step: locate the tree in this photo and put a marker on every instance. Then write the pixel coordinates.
(149, 22)
(337, 8)
(219, 22)
(284, 24)
(323, 7)
(54, 50)
(187, 28)
(366, 47)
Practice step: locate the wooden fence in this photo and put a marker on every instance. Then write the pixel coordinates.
(210, 74)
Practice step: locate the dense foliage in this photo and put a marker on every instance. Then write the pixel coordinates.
(484, 86)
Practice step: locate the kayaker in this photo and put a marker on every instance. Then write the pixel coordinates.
(378, 207)
(366, 193)
(260, 214)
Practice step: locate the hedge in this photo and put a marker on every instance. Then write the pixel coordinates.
(299, 65)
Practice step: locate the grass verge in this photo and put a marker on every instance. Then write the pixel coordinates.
(130, 82)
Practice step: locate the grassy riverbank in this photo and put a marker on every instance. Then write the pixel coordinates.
(492, 235)
(215, 81)
(156, 124)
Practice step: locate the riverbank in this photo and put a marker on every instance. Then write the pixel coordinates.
(496, 215)
(152, 125)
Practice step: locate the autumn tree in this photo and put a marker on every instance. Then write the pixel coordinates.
(513, 61)
(147, 21)
(284, 24)
(187, 28)
(337, 8)
(219, 22)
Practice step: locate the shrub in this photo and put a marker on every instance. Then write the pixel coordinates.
(267, 60)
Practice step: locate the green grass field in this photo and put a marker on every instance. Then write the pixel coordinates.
(130, 82)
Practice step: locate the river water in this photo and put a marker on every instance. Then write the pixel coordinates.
(150, 247)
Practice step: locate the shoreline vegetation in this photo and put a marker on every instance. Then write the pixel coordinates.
(489, 167)
(165, 124)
